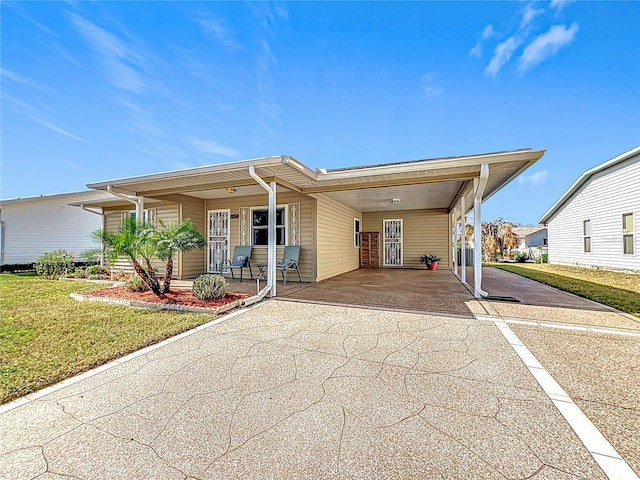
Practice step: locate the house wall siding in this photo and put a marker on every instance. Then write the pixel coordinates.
(31, 228)
(306, 230)
(603, 200)
(191, 264)
(424, 231)
(336, 253)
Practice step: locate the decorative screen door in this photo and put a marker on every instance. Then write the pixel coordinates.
(392, 243)
(218, 241)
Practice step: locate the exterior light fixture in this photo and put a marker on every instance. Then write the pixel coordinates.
(231, 190)
(395, 201)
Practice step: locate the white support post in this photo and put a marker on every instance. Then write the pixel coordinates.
(479, 185)
(463, 244)
(272, 238)
(452, 232)
(139, 209)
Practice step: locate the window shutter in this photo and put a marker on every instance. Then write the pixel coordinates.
(294, 224)
(151, 216)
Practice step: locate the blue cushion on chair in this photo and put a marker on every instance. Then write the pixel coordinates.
(285, 263)
(240, 261)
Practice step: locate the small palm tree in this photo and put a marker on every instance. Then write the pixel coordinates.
(175, 238)
(132, 242)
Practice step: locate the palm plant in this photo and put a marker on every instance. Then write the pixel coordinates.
(175, 238)
(132, 242)
(140, 243)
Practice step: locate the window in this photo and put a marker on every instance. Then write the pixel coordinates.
(260, 226)
(627, 233)
(356, 232)
(586, 227)
(148, 215)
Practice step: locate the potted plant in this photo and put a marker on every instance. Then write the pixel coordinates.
(430, 260)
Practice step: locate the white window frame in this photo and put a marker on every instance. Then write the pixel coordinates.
(145, 215)
(285, 225)
(356, 232)
(586, 235)
(628, 233)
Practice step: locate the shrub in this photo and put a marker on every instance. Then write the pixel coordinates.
(118, 275)
(53, 265)
(97, 270)
(135, 284)
(80, 273)
(208, 287)
(521, 257)
(545, 258)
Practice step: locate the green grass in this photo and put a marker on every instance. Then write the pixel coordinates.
(615, 289)
(46, 336)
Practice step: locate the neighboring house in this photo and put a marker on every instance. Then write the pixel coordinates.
(413, 206)
(532, 240)
(596, 222)
(32, 226)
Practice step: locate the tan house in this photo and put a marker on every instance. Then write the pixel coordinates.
(413, 207)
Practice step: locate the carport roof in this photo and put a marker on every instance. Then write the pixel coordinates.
(354, 185)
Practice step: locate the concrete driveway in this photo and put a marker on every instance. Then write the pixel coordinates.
(297, 390)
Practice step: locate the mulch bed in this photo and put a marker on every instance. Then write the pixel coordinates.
(176, 296)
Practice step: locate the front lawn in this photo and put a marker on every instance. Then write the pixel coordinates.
(616, 289)
(46, 336)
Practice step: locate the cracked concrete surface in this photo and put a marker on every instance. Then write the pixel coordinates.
(294, 390)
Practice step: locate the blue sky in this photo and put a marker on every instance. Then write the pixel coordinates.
(99, 90)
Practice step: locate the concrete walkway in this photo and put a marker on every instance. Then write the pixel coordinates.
(309, 390)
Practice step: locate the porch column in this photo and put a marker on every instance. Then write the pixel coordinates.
(272, 238)
(479, 185)
(139, 209)
(463, 244)
(452, 222)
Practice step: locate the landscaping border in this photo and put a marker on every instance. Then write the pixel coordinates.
(156, 306)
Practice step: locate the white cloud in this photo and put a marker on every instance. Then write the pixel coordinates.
(476, 51)
(546, 45)
(430, 86)
(534, 179)
(502, 55)
(560, 4)
(217, 29)
(36, 115)
(530, 12)
(487, 33)
(210, 146)
(118, 58)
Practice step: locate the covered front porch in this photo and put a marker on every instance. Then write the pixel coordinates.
(438, 291)
(416, 208)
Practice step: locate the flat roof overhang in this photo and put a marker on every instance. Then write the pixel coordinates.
(433, 183)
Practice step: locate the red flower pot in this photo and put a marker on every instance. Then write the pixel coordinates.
(432, 265)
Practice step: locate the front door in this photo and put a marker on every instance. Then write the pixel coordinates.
(218, 241)
(392, 243)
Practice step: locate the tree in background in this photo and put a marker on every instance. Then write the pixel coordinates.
(497, 236)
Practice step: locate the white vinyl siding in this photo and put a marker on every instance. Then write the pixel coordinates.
(603, 199)
(335, 223)
(31, 227)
